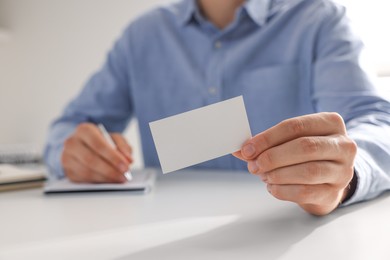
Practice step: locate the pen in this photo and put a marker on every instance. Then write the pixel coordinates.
(109, 140)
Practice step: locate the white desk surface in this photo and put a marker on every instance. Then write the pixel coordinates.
(188, 215)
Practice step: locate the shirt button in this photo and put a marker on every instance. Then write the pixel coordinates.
(218, 44)
(212, 90)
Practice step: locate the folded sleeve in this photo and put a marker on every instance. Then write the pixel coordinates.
(105, 99)
(341, 83)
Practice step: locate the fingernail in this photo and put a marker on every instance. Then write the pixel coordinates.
(263, 177)
(249, 150)
(128, 175)
(269, 188)
(252, 165)
(123, 167)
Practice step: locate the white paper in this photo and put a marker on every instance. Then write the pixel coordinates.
(200, 135)
(142, 181)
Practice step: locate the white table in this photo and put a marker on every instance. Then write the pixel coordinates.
(188, 215)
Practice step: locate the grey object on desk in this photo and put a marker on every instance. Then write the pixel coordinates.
(142, 181)
(20, 153)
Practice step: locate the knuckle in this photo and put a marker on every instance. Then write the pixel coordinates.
(83, 127)
(99, 146)
(117, 138)
(344, 176)
(314, 170)
(115, 158)
(266, 160)
(69, 143)
(273, 177)
(296, 126)
(124, 147)
(338, 121)
(336, 118)
(262, 140)
(349, 147)
(309, 145)
(347, 175)
(352, 147)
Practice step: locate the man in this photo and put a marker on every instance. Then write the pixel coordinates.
(322, 129)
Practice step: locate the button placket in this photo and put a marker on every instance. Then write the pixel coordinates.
(217, 44)
(214, 73)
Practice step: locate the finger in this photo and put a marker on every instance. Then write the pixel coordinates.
(93, 138)
(123, 146)
(101, 169)
(317, 172)
(320, 148)
(238, 155)
(76, 154)
(70, 163)
(321, 194)
(320, 124)
(73, 173)
(80, 173)
(76, 172)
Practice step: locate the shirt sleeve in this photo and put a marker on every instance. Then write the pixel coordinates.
(342, 84)
(105, 99)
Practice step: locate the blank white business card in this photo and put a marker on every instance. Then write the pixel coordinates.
(200, 135)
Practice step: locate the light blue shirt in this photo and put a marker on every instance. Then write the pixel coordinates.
(287, 58)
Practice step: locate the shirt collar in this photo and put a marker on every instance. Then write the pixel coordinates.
(187, 11)
(256, 9)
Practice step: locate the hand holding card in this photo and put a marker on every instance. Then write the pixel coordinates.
(200, 135)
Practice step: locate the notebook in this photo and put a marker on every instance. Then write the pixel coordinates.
(14, 177)
(142, 181)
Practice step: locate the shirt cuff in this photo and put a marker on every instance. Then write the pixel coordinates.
(364, 177)
(53, 162)
(55, 147)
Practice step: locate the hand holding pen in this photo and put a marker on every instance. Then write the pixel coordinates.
(89, 156)
(111, 142)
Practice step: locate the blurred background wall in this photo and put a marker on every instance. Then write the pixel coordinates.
(49, 48)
